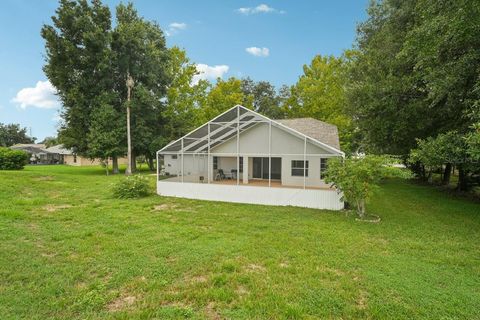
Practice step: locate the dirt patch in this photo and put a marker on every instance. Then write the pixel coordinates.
(56, 207)
(255, 268)
(362, 300)
(197, 279)
(165, 206)
(48, 255)
(44, 178)
(241, 291)
(121, 303)
(284, 265)
(210, 312)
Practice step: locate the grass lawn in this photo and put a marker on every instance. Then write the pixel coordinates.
(68, 250)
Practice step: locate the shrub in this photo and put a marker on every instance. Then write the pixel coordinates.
(131, 187)
(357, 178)
(12, 159)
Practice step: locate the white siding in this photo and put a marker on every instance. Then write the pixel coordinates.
(318, 199)
(255, 141)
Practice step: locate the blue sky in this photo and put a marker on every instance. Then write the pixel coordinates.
(266, 40)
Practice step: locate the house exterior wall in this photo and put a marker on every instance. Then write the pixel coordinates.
(192, 165)
(255, 141)
(68, 159)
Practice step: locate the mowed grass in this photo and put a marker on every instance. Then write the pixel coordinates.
(69, 250)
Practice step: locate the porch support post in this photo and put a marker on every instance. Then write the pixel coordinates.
(158, 167)
(158, 170)
(305, 163)
(208, 154)
(182, 162)
(270, 153)
(238, 145)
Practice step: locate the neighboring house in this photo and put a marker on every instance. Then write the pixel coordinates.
(70, 158)
(242, 156)
(40, 154)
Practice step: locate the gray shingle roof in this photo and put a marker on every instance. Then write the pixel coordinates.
(316, 129)
(59, 149)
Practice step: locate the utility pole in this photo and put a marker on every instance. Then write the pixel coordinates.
(130, 84)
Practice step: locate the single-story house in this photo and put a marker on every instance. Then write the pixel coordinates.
(40, 154)
(242, 156)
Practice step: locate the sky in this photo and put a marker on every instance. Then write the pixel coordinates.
(265, 40)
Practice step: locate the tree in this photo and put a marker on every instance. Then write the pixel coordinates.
(139, 50)
(449, 149)
(78, 64)
(320, 94)
(184, 99)
(415, 73)
(50, 141)
(357, 178)
(221, 97)
(263, 97)
(11, 134)
(106, 130)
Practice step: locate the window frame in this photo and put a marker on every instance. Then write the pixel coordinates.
(299, 166)
(323, 167)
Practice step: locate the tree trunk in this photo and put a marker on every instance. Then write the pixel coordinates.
(447, 174)
(151, 164)
(115, 165)
(133, 162)
(106, 165)
(361, 208)
(462, 179)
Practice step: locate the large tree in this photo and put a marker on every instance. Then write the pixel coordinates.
(264, 98)
(11, 134)
(78, 64)
(416, 73)
(320, 93)
(139, 50)
(88, 62)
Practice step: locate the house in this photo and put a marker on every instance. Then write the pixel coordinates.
(242, 156)
(40, 154)
(69, 157)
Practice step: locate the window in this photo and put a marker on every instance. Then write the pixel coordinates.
(298, 167)
(241, 164)
(323, 167)
(174, 157)
(215, 163)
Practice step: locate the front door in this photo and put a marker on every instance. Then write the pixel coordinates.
(261, 166)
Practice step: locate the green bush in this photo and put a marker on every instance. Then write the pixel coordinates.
(131, 187)
(12, 159)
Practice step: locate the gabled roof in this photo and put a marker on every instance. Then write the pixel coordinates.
(35, 148)
(319, 130)
(59, 149)
(238, 119)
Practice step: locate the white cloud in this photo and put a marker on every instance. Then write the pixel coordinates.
(258, 52)
(261, 8)
(41, 96)
(206, 72)
(175, 27)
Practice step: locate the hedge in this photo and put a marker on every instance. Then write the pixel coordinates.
(12, 159)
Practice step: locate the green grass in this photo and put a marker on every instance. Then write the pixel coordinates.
(68, 250)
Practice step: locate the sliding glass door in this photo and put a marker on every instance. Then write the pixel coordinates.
(261, 166)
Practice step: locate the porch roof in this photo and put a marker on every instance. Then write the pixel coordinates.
(239, 119)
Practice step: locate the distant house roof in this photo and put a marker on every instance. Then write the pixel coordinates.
(59, 149)
(34, 148)
(319, 130)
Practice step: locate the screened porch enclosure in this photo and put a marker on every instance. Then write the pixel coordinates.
(241, 148)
